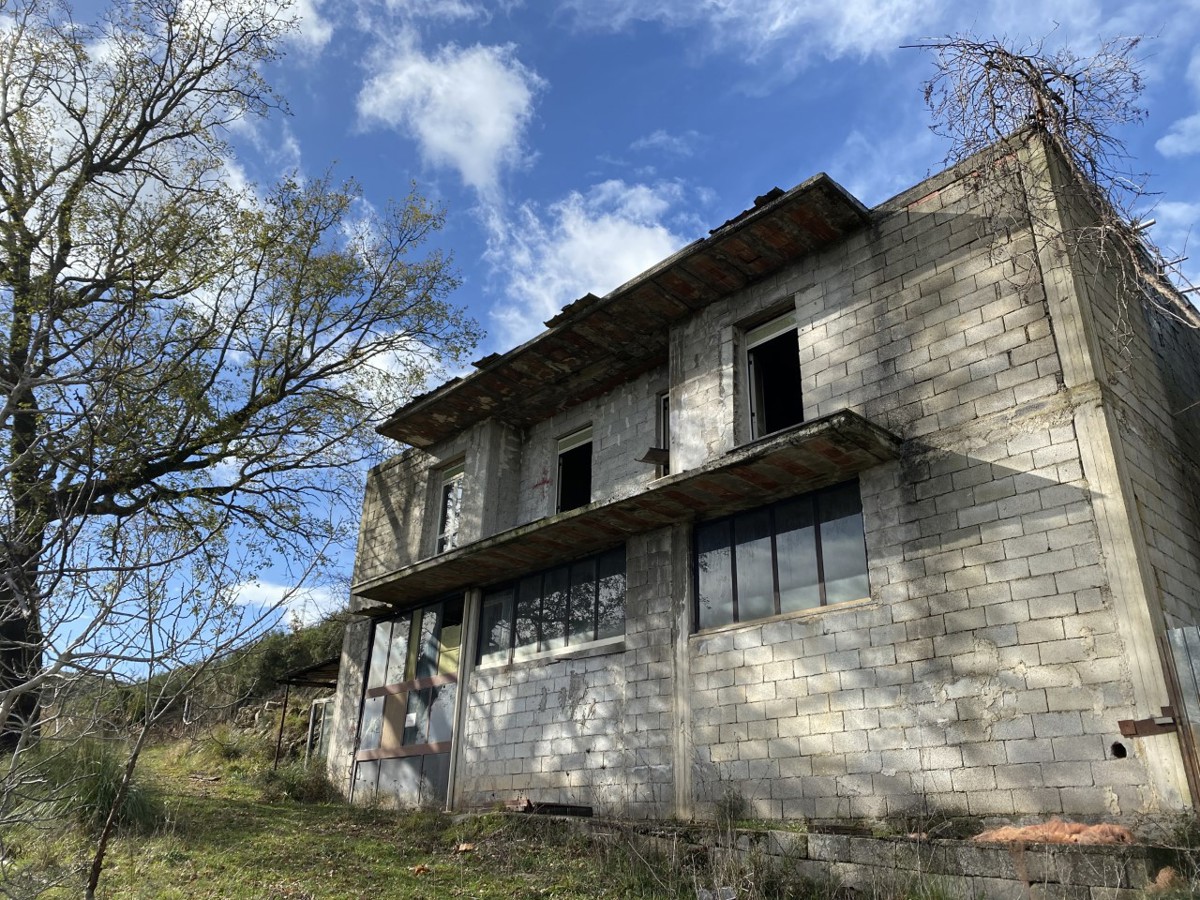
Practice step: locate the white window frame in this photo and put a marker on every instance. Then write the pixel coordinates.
(451, 480)
(752, 338)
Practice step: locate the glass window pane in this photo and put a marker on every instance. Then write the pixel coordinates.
(555, 601)
(377, 673)
(796, 551)
(610, 599)
(529, 607)
(714, 576)
(370, 727)
(755, 576)
(427, 655)
(583, 602)
(393, 721)
(441, 712)
(451, 512)
(435, 778)
(843, 550)
(495, 627)
(400, 781)
(365, 775)
(451, 637)
(416, 721)
(398, 651)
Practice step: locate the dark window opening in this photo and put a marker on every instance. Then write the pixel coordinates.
(575, 471)
(774, 371)
(800, 553)
(664, 431)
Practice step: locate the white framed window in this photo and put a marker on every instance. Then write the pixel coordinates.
(773, 376)
(450, 508)
(574, 470)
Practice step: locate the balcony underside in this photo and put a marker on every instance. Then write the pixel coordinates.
(809, 456)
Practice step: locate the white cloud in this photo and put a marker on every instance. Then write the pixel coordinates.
(453, 10)
(467, 108)
(586, 242)
(1182, 138)
(303, 605)
(799, 28)
(874, 168)
(313, 31)
(1176, 233)
(671, 144)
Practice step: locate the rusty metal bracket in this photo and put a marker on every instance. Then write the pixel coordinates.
(1164, 724)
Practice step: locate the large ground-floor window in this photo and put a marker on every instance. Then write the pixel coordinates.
(796, 554)
(407, 719)
(566, 606)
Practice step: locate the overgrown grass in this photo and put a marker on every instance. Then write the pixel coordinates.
(81, 783)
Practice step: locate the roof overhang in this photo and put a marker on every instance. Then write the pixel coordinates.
(597, 343)
(323, 674)
(811, 455)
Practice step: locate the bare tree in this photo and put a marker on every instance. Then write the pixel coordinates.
(986, 93)
(189, 370)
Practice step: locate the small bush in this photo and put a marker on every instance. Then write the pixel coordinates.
(229, 744)
(82, 782)
(294, 782)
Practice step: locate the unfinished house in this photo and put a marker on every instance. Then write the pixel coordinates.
(836, 513)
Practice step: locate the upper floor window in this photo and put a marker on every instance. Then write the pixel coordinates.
(800, 553)
(558, 608)
(773, 376)
(450, 508)
(575, 470)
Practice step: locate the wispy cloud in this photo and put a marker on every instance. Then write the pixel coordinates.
(586, 242)
(467, 108)
(800, 28)
(313, 30)
(671, 144)
(875, 167)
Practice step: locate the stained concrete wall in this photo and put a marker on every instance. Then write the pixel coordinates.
(986, 673)
(594, 729)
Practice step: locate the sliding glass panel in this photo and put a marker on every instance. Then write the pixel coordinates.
(377, 674)
(755, 579)
(435, 778)
(583, 602)
(416, 722)
(495, 627)
(397, 658)
(400, 781)
(441, 713)
(429, 648)
(365, 775)
(842, 549)
(451, 637)
(714, 575)
(555, 601)
(372, 723)
(796, 550)
(610, 599)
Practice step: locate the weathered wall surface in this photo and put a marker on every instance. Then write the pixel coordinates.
(595, 730)
(339, 757)
(985, 675)
(623, 427)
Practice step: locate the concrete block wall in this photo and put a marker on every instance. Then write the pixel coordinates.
(593, 730)
(986, 674)
(339, 757)
(624, 426)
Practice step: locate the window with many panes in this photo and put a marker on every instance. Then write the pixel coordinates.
(773, 376)
(450, 508)
(563, 607)
(406, 722)
(800, 553)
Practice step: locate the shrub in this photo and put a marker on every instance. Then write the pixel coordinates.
(294, 782)
(82, 781)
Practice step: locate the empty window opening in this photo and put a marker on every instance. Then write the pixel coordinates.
(773, 369)
(451, 508)
(575, 470)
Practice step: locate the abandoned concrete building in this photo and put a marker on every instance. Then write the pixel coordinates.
(836, 513)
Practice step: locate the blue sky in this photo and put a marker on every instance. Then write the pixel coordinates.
(574, 143)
